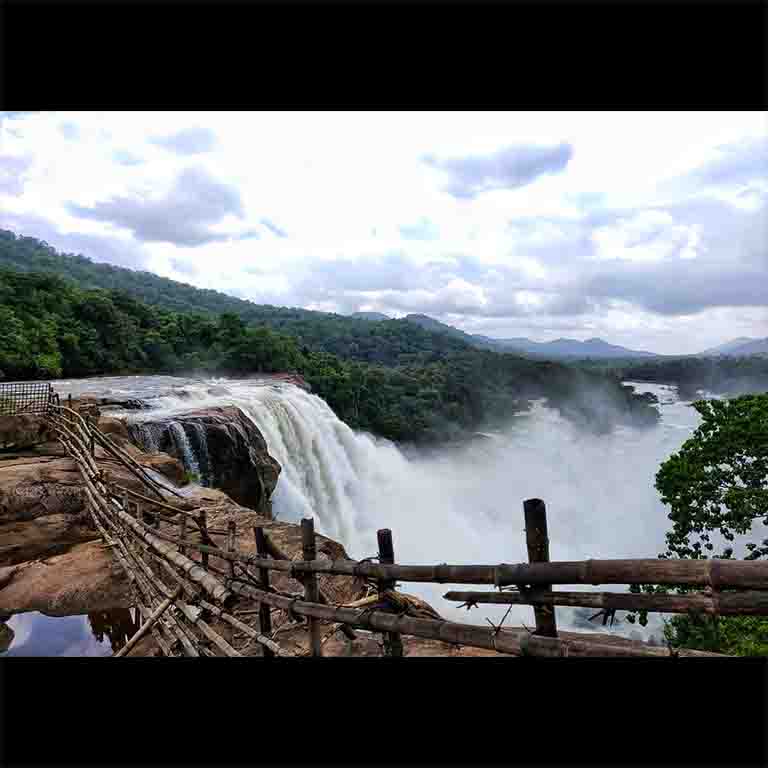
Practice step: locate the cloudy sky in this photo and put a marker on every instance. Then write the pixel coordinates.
(645, 229)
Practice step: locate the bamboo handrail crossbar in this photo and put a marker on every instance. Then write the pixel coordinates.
(504, 641)
(162, 504)
(203, 626)
(250, 631)
(278, 554)
(193, 570)
(752, 602)
(715, 573)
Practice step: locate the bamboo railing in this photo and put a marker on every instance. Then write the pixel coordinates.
(188, 605)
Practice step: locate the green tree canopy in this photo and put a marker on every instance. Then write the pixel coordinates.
(717, 483)
(718, 480)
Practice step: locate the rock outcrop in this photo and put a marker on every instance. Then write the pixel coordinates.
(23, 431)
(6, 637)
(224, 445)
(84, 579)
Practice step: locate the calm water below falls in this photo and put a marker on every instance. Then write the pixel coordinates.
(97, 634)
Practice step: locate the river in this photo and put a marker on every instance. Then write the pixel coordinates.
(460, 505)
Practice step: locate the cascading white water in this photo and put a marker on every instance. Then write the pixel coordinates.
(203, 457)
(460, 506)
(184, 448)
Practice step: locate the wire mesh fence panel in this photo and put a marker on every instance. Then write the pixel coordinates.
(26, 397)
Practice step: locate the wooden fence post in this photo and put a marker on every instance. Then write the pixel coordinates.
(183, 534)
(393, 644)
(536, 538)
(90, 434)
(231, 534)
(204, 536)
(310, 581)
(265, 616)
(69, 401)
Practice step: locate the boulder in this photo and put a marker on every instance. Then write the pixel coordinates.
(32, 487)
(24, 430)
(109, 425)
(85, 579)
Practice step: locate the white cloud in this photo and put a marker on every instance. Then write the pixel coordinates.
(340, 212)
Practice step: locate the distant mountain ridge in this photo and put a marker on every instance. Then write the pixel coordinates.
(728, 346)
(558, 349)
(372, 316)
(741, 347)
(734, 349)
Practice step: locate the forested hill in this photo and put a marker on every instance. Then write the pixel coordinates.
(396, 342)
(28, 254)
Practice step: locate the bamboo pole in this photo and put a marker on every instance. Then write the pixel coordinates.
(393, 644)
(721, 573)
(754, 603)
(171, 623)
(272, 549)
(192, 570)
(265, 617)
(164, 645)
(231, 537)
(310, 583)
(193, 617)
(189, 588)
(203, 525)
(130, 464)
(537, 541)
(503, 641)
(144, 630)
(183, 533)
(463, 634)
(190, 643)
(162, 504)
(265, 641)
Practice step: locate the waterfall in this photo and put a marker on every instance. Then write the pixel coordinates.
(205, 468)
(462, 505)
(184, 448)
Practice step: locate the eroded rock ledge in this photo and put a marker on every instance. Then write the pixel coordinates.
(229, 449)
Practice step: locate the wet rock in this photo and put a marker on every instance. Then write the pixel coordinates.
(93, 404)
(168, 466)
(230, 450)
(112, 426)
